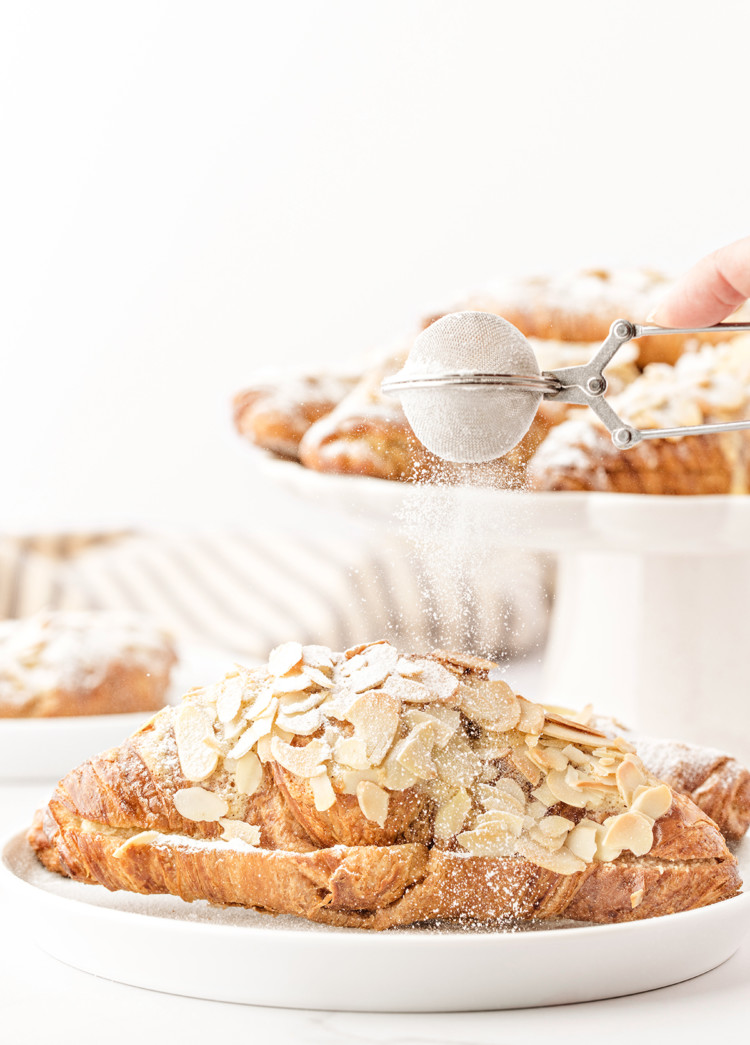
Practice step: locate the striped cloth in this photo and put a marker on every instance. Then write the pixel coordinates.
(247, 593)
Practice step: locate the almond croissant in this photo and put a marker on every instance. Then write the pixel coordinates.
(372, 789)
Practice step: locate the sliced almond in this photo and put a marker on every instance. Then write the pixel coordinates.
(261, 727)
(283, 658)
(526, 767)
(298, 682)
(352, 752)
(407, 690)
(299, 703)
(393, 775)
(302, 761)
(318, 677)
(263, 748)
(563, 861)
(451, 814)
(631, 831)
(561, 786)
(248, 773)
(317, 657)
(373, 801)
(443, 686)
(407, 668)
(556, 825)
(260, 703)
(511, 823)
(444, 721)
(323, 794)
(544, 796)
(301, 725)
(457, 764)
(193, 728)
(489, 840)
(414, 752)
(653, 802)
(375, 717)
(371, 667)
(512, 788)
(547, 758)
(629, 776)
(238, 829)
(532, 717)
(492, 799)
(493, 702)
(229, 699)
(349, 778)
(636, 898)
(196, 803)
(582, 840)
(575, 755)
(142, 838)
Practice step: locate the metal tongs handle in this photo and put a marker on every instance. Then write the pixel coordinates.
(586, 384)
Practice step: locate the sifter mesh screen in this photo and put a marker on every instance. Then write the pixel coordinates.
(477, 423)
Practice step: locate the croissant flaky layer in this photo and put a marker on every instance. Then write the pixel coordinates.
(466, 802)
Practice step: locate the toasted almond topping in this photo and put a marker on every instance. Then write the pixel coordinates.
(492, 798)
(370, 668)
(375, 716)
(143, 838)
(490, 702)
(261, 727)
(407, 690)
(193, 728)
(548, 758)
(442, 684)
(196, 803)
(249, 833)
(582, 840)
(301, 725)
(489, 840)
(414, 752)
(302, 761)
(248, 774)
(544, 796)
(555, 825)
(352, 752)
(526, 767)
(229, 699)
(572, 733)
(451, 814)
(653, 802)
(318, 677)
(284, 657)
(393, 775)
(373, 801)
(512, 788)
(532, 717)
(349, 778)
(323, 794)
(563, 861)
(407, 668)
(510, 823)
(299, 703)
(298, 682)
(561, 786)
(636, 898)
(263, 748)
(575, 755)
(444, 721)
(317, 657)
(260, 704)
(629, 776)
(630, 830)
(457, 764)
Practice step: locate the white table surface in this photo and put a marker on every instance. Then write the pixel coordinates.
(38, 992)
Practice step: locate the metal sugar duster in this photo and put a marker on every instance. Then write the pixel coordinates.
(471, 386)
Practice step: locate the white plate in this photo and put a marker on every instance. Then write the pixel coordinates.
(46, 748)
(237, 955)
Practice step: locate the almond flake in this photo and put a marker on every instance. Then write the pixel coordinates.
(263, 748)
(492, 799)
(299, 703)
(490, 702)
(564, 790)
(393, 775)
(301, 725)
(547, 758)
(193, 727)
(457, 763)
(373, 801)
(323, 794)
(238, 829)
(490, 840)
(512, 788)
(248, 774)
(544, 795)
(143, 838)
(376, 717)
(407, 668)
(349, 779)
(526, 767)
(318, 677)
(451, 814)
(629, 777)
(582, 840)
(200, 805)
(653, 802)
(563, 861)
(555, 825)
(442, 684)
(631, 831)
(229, 699)
(284, 657)
(296, 683)
(636, 898)
(352, 752)
(261, 727)
(532, 717)
(510, 823)
(260, 703)
(414, 752)
(317, 657)
(302, 761)
(407, 690)
(370, 668)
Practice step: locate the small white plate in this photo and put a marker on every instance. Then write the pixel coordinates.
(236, 955)
(47, 748)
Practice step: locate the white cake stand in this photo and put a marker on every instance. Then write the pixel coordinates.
(650, 619)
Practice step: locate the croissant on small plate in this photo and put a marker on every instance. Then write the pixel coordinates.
(374, 789)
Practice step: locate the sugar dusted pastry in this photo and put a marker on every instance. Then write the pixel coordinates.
(374, 789)
(275, 413)
(709, 384)
(82, 663)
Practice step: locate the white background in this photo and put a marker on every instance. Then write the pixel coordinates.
(191, 191)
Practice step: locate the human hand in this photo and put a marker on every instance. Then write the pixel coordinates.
(710, 291)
